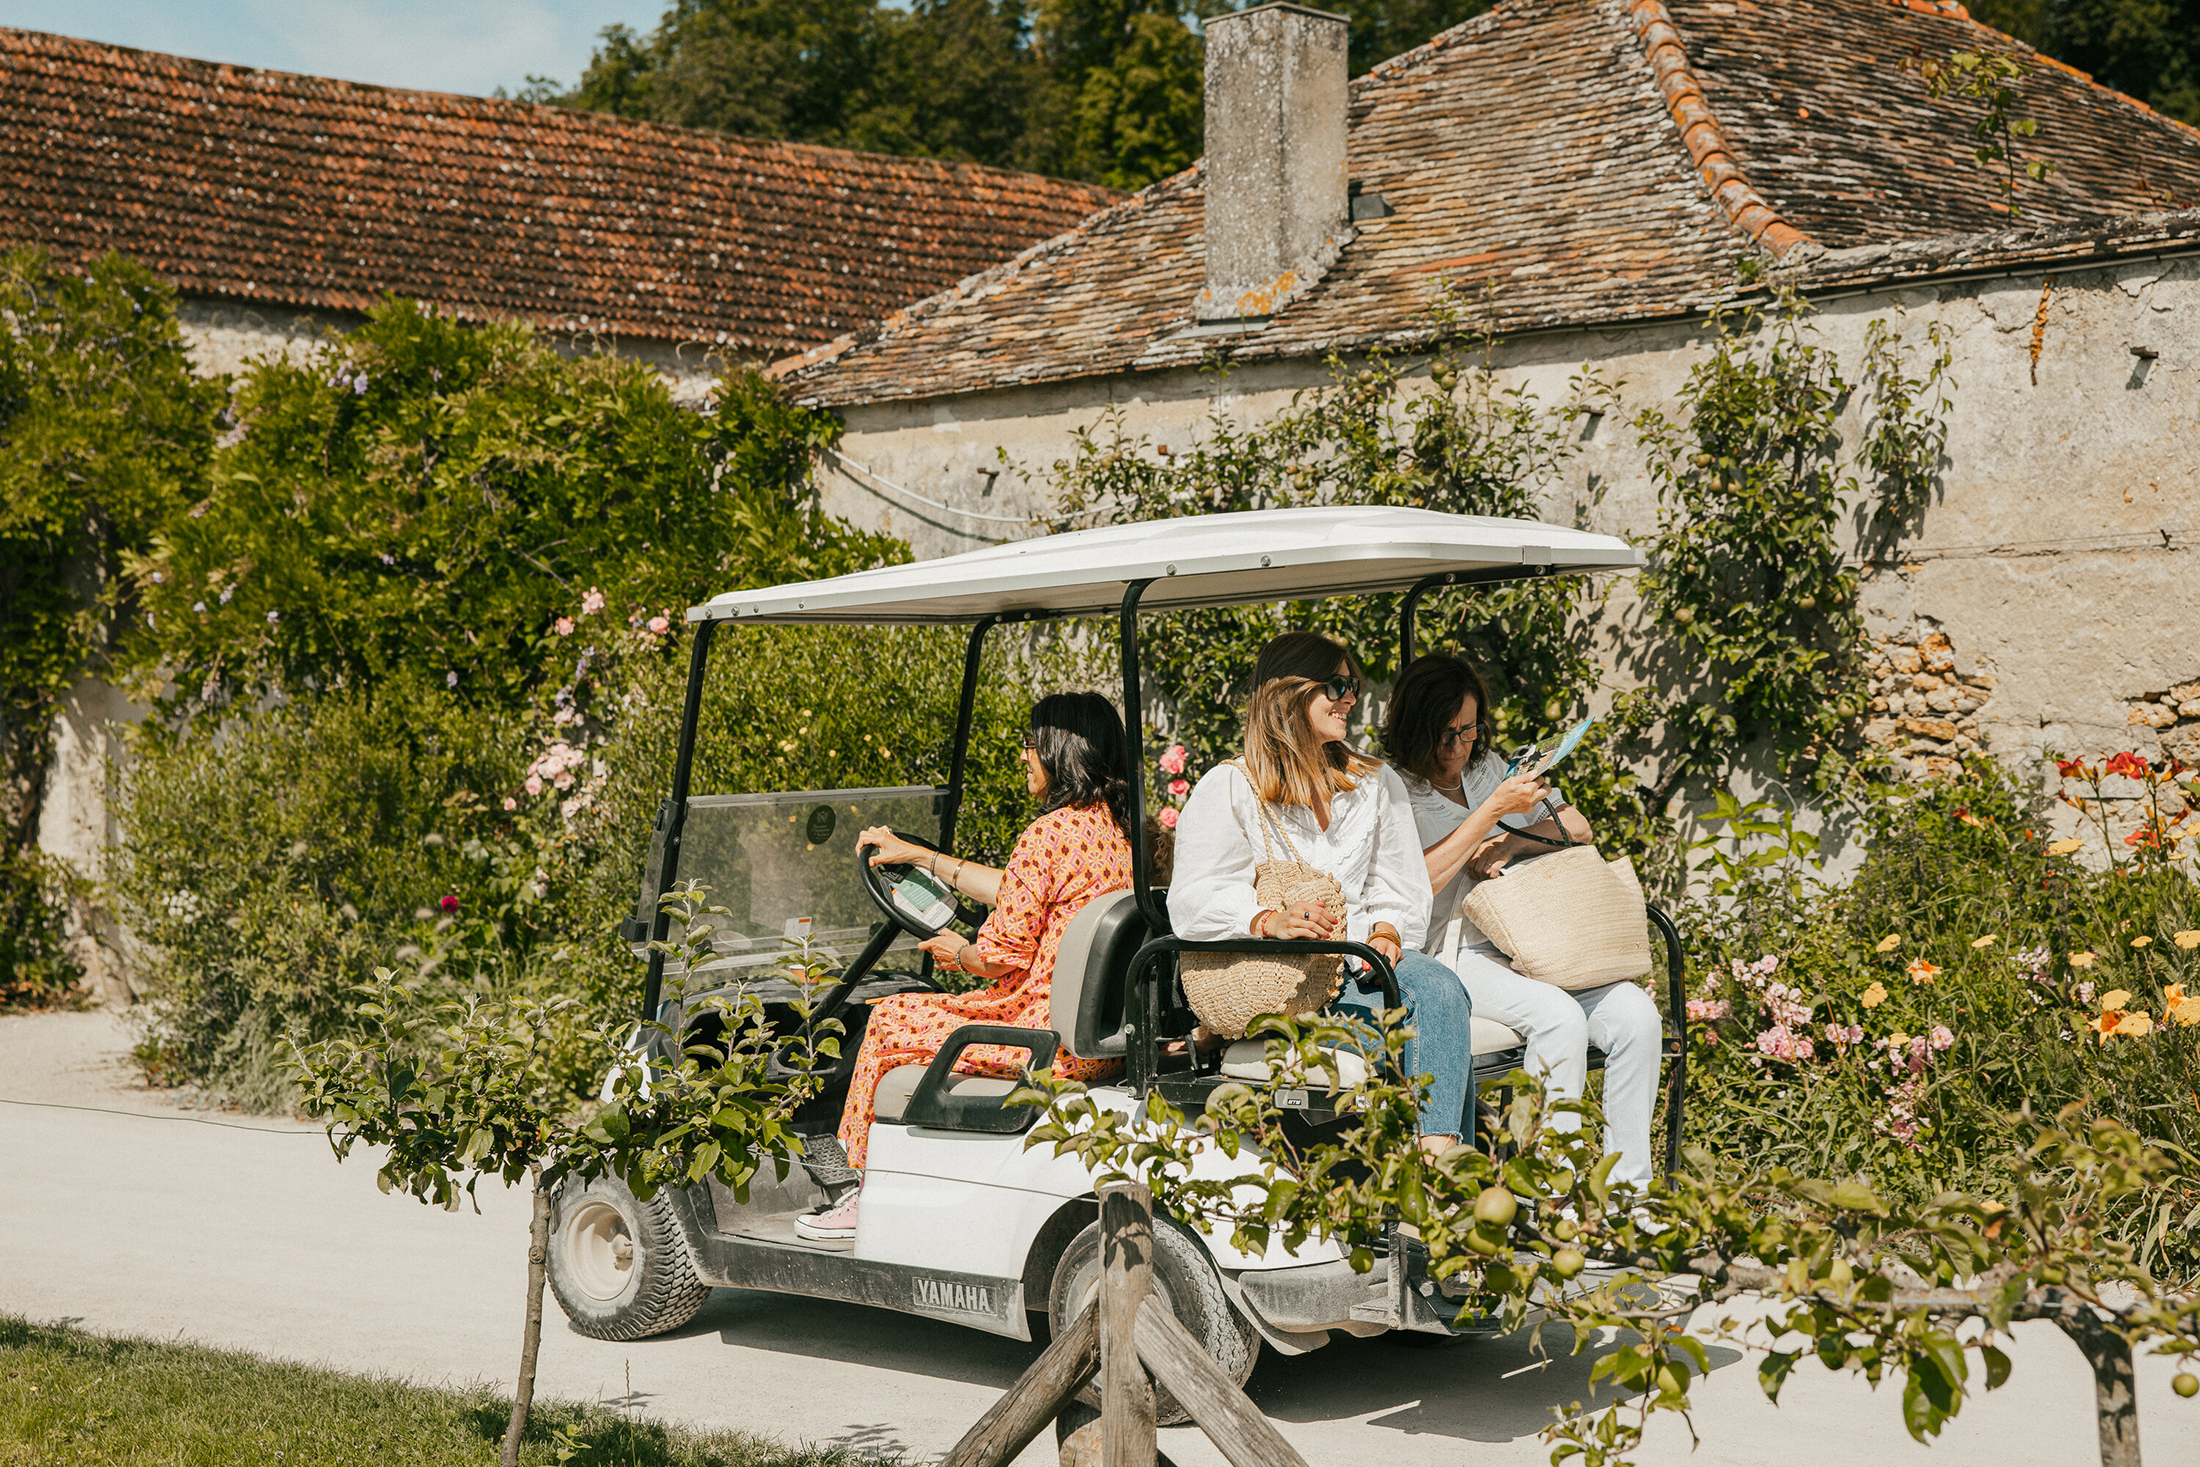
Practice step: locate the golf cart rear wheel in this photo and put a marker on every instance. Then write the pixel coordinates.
(619, 1266)
(1184, 1279)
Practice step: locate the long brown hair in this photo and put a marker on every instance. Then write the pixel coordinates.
(1283, 760)
(1428, 694)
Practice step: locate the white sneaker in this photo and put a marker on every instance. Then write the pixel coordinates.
(835, 1223)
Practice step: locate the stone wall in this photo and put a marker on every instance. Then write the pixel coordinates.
(2055, 565)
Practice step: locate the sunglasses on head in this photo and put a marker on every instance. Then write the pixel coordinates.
(1344, 685)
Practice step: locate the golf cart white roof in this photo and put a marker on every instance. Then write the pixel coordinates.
(1201, 560)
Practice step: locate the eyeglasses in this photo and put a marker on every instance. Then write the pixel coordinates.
(1344, 685)
(1452, 736)
(1031, 738)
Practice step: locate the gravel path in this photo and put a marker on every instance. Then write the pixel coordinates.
(129, 1215)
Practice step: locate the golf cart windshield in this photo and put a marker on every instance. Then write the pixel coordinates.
(784, 865)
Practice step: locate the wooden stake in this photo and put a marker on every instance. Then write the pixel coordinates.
(538, 1251)
(1232, 1422)
(1031, 1404)
(1126, 1279)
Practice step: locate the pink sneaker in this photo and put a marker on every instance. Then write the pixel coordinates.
(833, 1224)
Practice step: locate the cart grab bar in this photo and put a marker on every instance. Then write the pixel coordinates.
(932, 1104)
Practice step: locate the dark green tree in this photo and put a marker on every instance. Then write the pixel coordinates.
(2149, 49)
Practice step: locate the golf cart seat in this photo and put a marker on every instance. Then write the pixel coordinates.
(1496, 1047)
(1092, 973)
(898, 1084)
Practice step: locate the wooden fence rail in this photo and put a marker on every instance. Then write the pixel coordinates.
(1121, 1342)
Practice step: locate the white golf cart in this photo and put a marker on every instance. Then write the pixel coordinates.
(959, 1221)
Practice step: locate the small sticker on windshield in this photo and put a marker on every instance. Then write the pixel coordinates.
(820, 828)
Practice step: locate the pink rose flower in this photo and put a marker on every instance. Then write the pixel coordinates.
(565, 626)
(592, 602)
(1180, 787)
(659, 625)
(1942, 1036)
(534, 784)
(1167, 818)
(1172, 761)
(510, 803)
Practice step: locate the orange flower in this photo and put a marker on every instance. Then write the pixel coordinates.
(2104, 1026)
(2127, 764)
(1921, 971)
(2173, 995)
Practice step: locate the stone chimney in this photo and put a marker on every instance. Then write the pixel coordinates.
(1277, 210)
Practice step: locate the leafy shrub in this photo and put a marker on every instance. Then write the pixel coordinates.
(104, 434)
(1889, 1027)
(274, 860)
(426, 496)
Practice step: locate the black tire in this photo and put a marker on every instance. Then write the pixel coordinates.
(1184, 1277)
(620, 1267)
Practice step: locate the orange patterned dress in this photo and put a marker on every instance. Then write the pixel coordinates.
(1062, 861)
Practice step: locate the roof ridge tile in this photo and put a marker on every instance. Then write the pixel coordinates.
(1701, 134)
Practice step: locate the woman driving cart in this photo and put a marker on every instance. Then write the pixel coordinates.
(1345, 814)
(1442, 737)
(1076, 765)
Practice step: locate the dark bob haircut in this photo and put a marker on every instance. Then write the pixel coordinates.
(1423, 705)
(1085, 753)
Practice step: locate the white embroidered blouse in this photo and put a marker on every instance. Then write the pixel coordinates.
(1370, 847)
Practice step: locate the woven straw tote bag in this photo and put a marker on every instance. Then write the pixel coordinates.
(1571, 919)
(1228, 990)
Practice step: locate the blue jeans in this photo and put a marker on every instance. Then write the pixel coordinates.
(1442, 1045)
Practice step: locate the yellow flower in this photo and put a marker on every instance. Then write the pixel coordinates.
(1874, 996)
(2083, 960)
(2187, 1012)
(1897, 1040)
(1986, 941)
(2114, 999)
(1893, 940)
(2065, 847)
(2188, 940)
(2136, 1024)
(2141, 941)
(1921, 971)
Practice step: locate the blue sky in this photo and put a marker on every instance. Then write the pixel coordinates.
(439, 45)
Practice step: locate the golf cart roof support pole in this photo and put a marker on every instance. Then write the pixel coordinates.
(683, 766)
(1134, 725)
(1410, 604)
(965, 712)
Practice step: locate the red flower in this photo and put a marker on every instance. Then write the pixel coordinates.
(2127, 764)
(450, 904)
(2072, 769)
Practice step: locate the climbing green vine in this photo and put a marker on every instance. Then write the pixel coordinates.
(1749, 576)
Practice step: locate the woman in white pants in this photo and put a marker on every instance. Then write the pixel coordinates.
(1441, 739)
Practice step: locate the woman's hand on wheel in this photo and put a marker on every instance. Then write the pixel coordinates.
(892, 849)
(1516, 796)
(1488, 859)
(945, 949)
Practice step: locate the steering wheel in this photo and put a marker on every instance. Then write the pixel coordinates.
(912, 898)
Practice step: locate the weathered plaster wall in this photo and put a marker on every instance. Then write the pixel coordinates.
(2057, 565)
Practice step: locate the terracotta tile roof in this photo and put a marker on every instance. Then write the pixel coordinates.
(1563, 163)
(300, 191)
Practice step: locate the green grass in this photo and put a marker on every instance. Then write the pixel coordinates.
(69, 1398)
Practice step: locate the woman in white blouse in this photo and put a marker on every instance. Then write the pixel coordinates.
(1348, 815)
(1441, 738)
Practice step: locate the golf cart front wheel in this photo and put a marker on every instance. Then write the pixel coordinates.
(1185, 1280)
(619, 1266)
